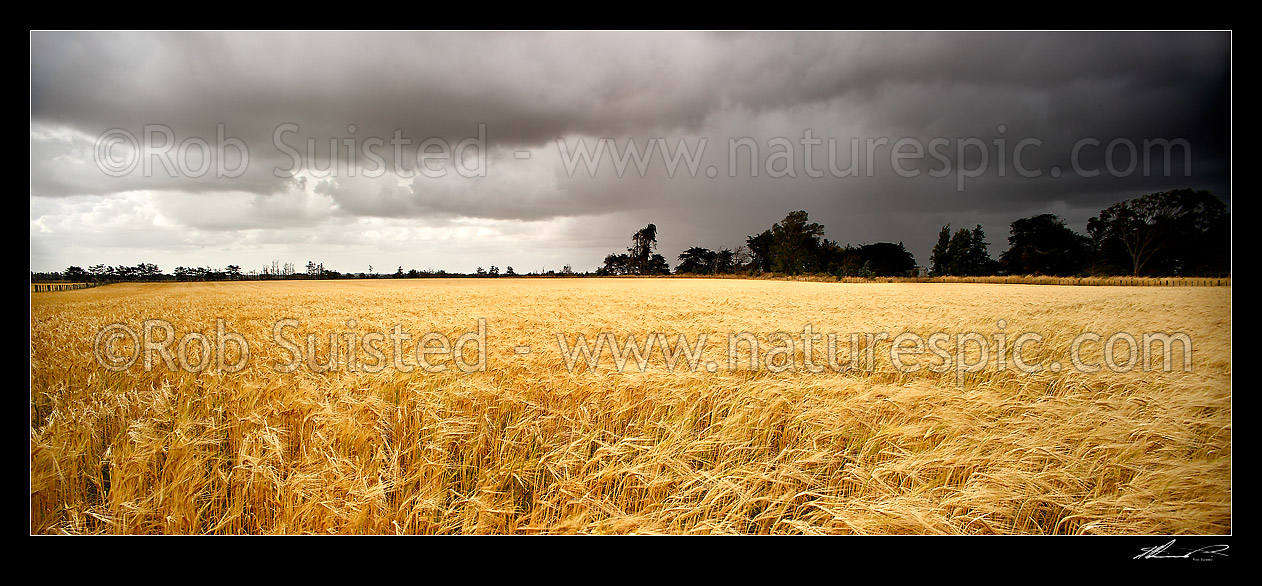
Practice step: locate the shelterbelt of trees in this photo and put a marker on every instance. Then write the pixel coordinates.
(1172, 233)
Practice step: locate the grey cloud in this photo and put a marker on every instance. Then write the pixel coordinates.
(529, 89)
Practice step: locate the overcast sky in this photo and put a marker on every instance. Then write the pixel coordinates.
(497, 119)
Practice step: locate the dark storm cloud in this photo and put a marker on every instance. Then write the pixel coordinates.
(535, 86)
(529, 89)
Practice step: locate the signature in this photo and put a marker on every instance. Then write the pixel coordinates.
(1165, 551)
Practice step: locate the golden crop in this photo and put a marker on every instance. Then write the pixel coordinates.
(529, 446)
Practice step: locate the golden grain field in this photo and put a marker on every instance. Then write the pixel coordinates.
(528, 445)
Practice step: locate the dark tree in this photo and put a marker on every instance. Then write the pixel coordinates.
(1044, 245)
(725, 262)
(795, 243)
(966, 253)
(760, 251)
(697, 261)
(639, 259)
(76, 274)
(100, 272)
(643, 242)
(885, 259)
(147, 271)
(615, 264)
(657, 265)
(977, 261)
(957, 252)
(1180, 232)
(940, 260)
(833, 259)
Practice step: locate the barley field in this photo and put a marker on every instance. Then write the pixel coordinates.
(509, 431)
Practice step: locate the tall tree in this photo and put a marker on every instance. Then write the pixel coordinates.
(725, 262)
(1171, 232)
(643, 242)
(1044, 245)
(939, 260)
(957, 252)
(760, 251)
(977, 259)
(795, 242)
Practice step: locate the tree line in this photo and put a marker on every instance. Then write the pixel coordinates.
(1171, 233)
(792, 246)
(147, 272)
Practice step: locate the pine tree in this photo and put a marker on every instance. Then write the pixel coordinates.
(978, 263)
(957, 252)
(938, 260)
